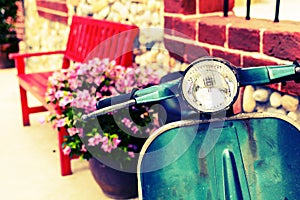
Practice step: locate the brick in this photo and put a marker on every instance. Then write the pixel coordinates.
(193, 52)
(249, 61)
(175, 48)
(53, 17)
(234, 58)
(243, 39)
(168, 22)
(284, 45)
(53, 5)
(180, 6)
(212, 34)
(213, 5)
(289, 87)
(185, 28)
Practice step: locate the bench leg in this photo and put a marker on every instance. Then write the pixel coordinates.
(65, 160)
(24, 105)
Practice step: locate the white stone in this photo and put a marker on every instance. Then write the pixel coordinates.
(133, 9)
(152, 5)
(155, 19)
(167, 59)
(147, 16)
(249, 102)
(274, 110)
(261, 95)
(121, 9)
(152, 56)
(160, 58)
(275, 99)
(289, 103)
(260, 108)
(99, 5)
(117, 17)
(140, 8)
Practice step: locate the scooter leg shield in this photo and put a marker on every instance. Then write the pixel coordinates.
(239, 158)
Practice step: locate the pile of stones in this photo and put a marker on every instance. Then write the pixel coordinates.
(264, 99)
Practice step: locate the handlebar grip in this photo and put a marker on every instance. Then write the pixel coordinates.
(115, 100)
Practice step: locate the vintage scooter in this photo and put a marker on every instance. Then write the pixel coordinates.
(203, 150)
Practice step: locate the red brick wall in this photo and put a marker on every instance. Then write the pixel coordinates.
(242, 42)
(19, 24)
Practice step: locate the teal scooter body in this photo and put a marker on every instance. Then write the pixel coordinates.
(198, 155)
(254, 156)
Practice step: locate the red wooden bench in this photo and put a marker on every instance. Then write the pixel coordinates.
(88, 38)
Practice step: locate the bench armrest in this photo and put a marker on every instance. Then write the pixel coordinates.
(20, 58)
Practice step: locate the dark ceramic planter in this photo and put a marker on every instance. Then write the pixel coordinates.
(114, 183)
(5, 50)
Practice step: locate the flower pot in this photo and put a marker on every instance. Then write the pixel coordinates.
(5, 50)
(114, 183)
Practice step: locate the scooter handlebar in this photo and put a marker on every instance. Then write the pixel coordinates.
(147, 95)
(115, 100)
(268, 74)
(246, 76)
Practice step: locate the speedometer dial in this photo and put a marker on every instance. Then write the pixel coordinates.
(210, 85)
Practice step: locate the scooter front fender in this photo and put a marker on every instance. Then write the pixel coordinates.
(247, 156)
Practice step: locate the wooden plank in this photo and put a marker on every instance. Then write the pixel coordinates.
(35, 83)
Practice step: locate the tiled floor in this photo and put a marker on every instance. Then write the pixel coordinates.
(29, 160)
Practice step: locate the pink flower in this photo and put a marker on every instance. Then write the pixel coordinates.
(106, 147)
(67, 150)
(116, 142)
(83, 149)
(59, 94)
(148, 130)
(98, 80)
(60, 122)
(104, 88)
(53, 80)
(65, 100)
(80, 134)
(72, 131)
(50, 98)
(93, 141)
(89, 80)
(127, 122)
(104, 139)
(131, 154)
(134, 129)
(98, 95)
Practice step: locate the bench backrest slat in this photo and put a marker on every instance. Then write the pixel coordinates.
(101, 38)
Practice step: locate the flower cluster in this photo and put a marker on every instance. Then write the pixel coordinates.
(77, 90)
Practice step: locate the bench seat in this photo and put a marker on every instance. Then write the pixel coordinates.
(88, 38)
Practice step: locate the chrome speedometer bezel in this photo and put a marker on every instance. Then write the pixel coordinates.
(222, 63)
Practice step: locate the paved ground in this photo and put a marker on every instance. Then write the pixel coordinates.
(29, 160)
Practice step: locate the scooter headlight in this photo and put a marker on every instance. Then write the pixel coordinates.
(210, 85)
